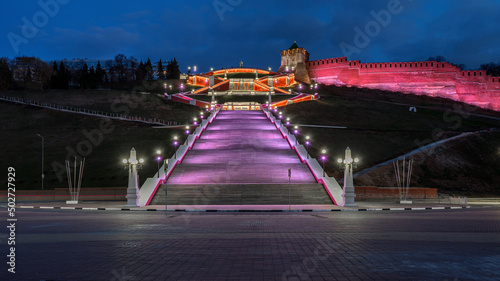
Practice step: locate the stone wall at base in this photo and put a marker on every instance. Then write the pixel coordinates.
(373, 192)
(62, 194)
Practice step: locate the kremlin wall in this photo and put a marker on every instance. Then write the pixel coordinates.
(430, 78)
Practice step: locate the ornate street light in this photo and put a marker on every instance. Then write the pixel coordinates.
(348, 164)
(296, 132)
(323, 159)
(133, 166)
(175, 147)
(307, 146)
(158, 159)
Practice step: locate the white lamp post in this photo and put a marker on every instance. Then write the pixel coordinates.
(133, 181)
(158, 159)
(175, 147)
(308, 142)
(348, 162)
(296, 132)
(323, 159)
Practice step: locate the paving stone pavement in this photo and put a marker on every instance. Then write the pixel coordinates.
(98, 245)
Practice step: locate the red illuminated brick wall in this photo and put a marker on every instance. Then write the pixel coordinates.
(437, 79)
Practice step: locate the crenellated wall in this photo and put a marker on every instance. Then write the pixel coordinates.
(431, 78)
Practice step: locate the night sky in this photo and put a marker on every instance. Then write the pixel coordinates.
(196, 33)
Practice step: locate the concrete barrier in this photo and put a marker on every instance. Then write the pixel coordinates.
(62, 194)
(374, 192)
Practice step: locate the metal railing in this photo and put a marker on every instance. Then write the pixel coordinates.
(92, 112)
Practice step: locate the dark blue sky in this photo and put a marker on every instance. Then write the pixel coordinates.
(195, 32)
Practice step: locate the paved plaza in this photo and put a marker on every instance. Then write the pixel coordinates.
(126, 245)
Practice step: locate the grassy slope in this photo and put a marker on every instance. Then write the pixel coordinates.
(380, 127)
(22, 147)
(149, 105)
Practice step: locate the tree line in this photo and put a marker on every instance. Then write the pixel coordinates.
(121, 73)
(492, 69)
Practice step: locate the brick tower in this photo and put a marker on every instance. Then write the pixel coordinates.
(295, 60)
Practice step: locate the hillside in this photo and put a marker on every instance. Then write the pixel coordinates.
(379, 127)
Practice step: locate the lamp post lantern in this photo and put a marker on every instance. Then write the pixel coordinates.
(323, 159)
(158, 159)
(308, 142)
(43, 152)
(175, 147)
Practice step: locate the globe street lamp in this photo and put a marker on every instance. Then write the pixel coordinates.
(158, 159)
(187, 130)
(307, 146)
(296, 132)
(43, 143)
(195, 121)
(323, 158)
(175, 147)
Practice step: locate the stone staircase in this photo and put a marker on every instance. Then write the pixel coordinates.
(242, 194)
(241, 159)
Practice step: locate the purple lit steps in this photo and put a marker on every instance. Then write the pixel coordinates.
(243, 156)
(242, 194)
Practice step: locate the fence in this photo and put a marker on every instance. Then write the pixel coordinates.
(92, 112)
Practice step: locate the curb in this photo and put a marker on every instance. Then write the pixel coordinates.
(243, 211)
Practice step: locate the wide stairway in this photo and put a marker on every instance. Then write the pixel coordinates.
(241, 159)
